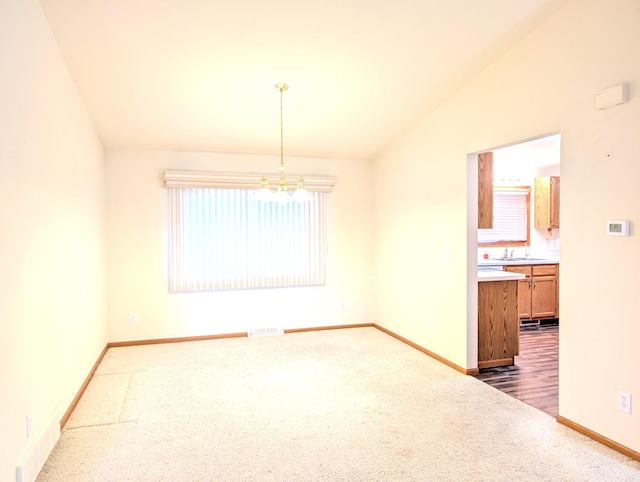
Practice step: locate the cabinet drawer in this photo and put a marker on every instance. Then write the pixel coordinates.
(526, 270)
(545, 269)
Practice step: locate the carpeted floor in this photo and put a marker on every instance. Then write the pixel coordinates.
(336, 405)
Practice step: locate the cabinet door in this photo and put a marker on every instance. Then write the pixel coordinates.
(524, 290)
(498, 327)
(485, 190)
(524, 298)
(554, 210)
(547, 202)
(544, 297)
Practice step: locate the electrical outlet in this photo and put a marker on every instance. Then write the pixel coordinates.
(428, 325)
(624, 402)
(342, 306)
(28, 426)
(133, 318)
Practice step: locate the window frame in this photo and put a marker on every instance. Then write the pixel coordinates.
(184, 278)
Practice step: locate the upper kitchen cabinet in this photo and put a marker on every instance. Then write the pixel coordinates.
(485, 190)
(547, 202)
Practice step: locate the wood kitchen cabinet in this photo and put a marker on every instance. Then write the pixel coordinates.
(547, 202)
(485, 190)
(498, 326)
(538, 292)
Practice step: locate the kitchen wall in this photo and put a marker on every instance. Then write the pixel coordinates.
(426, 206)
(52, 291)
(137, 252)
(519, 165)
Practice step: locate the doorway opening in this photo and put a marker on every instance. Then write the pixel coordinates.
(533, 376)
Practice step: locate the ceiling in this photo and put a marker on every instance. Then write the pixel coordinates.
(526, 160)
(199, 74)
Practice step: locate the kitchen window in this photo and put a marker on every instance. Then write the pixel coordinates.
(511, 218)
(222, 238)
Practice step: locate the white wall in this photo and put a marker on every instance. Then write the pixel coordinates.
(52, 323)
(137, 247)
(52, 308)
(544, 85)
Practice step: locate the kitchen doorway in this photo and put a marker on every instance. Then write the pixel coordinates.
(533, 378)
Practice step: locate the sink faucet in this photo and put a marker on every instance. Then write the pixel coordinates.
(506, 252)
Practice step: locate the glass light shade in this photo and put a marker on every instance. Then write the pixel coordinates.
(301, 195)
(281, 196)
(263, 195)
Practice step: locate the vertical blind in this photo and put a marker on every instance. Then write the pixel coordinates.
(510, 217)
(224, 239)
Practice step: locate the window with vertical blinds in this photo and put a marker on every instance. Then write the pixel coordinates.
(510, 217)
(224, 239)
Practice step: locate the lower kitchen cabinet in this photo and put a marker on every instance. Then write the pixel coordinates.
(538, 292)
(498, 326)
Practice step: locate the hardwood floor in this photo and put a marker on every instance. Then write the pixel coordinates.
(533, 378)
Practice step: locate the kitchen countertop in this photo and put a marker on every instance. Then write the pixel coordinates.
(516, 261)
(488, 274)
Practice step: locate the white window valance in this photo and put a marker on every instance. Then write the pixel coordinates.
(235, 180)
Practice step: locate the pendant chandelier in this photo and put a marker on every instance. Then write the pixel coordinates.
(282, 194)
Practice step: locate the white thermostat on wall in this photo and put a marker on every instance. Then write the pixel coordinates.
(618, 227)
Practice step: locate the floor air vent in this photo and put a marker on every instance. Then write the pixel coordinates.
(269, 331)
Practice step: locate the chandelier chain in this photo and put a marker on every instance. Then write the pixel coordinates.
(281, 87)
(281, 194)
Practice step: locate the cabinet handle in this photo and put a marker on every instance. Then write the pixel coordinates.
(529, 284)
(534, 284)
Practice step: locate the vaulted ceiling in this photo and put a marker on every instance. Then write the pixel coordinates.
(199, 74)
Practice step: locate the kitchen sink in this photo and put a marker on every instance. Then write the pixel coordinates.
(518, 259)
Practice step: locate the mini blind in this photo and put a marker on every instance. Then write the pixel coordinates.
(224, 239)
(510, 217)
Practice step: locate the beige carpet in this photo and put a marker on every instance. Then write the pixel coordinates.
(338, 405)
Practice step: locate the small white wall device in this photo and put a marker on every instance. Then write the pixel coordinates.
(618, 227)
(618, 94)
